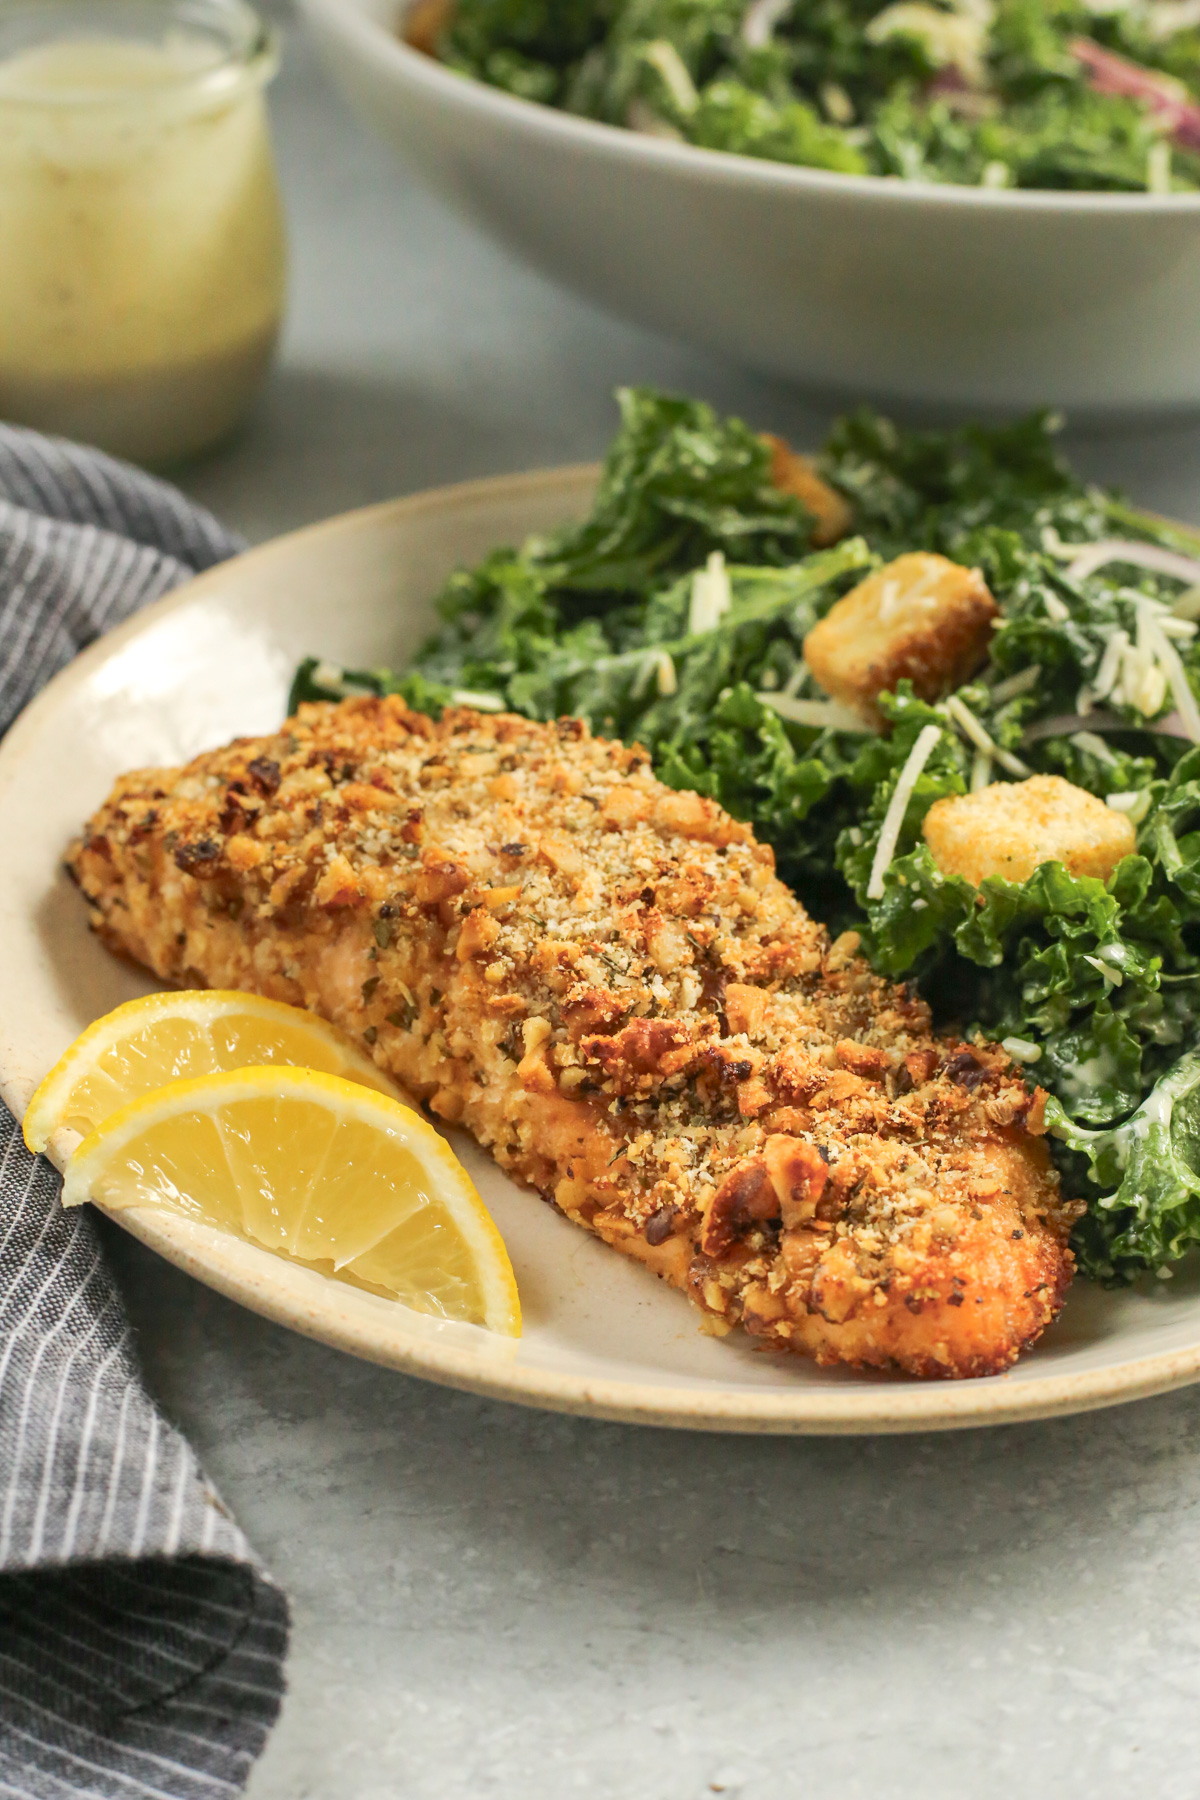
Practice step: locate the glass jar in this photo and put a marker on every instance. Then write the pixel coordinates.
(142, 255)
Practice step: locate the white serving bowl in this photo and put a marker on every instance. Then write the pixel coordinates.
(948, 296)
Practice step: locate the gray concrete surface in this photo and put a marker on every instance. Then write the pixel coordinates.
(489, 1602)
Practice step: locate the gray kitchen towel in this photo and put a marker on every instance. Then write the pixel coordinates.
(141, 1647)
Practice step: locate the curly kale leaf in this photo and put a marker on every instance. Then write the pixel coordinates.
(678, 483)
(1146, 1212)
(930, 490)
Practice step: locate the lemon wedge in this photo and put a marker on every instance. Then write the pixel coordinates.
(168, 1037)
(312, 1167)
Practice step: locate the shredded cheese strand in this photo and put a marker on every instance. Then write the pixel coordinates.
(971, 728)
(1113, 976)
(760, 19)
(893, 819)
(1013, 686)
(981, 772)
(1135, 804)
(1092, 745)
(1167, 658)
(826, 715)
(1110, 665)
(712, 596)
(663, 56)
(482, 702)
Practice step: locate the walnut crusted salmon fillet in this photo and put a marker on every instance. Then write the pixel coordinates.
(604, 980)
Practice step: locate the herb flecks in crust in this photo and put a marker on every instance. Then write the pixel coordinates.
(605, 981)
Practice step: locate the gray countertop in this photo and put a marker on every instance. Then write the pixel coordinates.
(489, 1601)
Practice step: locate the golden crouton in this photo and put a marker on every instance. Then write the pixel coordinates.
(921, 617)
(832, 517)
(425, 23)
(1011, 827)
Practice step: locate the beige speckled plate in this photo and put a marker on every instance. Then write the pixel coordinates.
(601, 1336)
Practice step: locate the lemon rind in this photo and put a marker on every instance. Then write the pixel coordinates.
(47, 1108)
(457, 1192)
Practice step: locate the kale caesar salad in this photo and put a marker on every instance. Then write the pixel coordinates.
(1066, 94)
(954, 687)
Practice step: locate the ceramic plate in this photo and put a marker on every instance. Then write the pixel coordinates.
(213, 661)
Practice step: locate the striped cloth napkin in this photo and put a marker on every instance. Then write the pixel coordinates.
(141, 1647)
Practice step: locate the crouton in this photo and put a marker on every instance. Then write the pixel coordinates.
(425, 23)
(1011, 827)
(921, 617)
(832, 517)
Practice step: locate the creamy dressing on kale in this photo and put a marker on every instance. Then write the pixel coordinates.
(993, 93)
(676, 613)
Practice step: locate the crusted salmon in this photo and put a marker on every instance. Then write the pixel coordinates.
(605, 981)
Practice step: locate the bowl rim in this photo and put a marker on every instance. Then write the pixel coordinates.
(352, 19)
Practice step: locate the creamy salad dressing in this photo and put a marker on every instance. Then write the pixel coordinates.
(141, 243)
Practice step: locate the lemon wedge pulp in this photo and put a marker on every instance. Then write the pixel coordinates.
(314, 1167)
(172, 1036)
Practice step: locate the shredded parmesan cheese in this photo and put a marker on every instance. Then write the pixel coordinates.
(1110, 665)
(481, 702)
(1165, 17)
(1013, 686)
(760, 19)
(1167, 658)
(712, 595)
(826, 715)
(956, 40)
(1158, 168)
(837, 104)
(1091, 745)
(665, 58)
(1135, 804)
(971, 729)
(893, 819)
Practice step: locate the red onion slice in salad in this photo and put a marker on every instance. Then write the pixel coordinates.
(1171, 725)
(1154, 557)
(1165, 97)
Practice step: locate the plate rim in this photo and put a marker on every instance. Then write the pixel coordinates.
(882, 1407)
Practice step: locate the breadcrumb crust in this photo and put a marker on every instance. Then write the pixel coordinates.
(604, 980)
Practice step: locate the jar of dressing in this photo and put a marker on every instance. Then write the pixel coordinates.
(141, 239)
